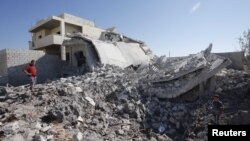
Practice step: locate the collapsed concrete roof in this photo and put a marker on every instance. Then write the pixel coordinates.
(187, 73)
(168, 80)
(113, 50)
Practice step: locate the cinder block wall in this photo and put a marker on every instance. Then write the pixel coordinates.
(3, 67)
(48, 66)
(236, 58)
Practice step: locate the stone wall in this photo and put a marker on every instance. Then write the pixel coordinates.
(48, 66)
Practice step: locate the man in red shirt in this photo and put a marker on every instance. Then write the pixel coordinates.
(30, 70)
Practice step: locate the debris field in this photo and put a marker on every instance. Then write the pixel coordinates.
(132, 104)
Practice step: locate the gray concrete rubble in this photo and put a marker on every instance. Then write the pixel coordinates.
(115, 104)
(182, 76)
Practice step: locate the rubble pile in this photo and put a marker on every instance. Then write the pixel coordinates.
(112, 104)
(103, 105)
(229, 79)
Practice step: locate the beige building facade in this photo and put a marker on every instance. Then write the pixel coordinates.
(80, 44)
(48, 34)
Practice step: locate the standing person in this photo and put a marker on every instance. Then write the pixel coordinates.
(217, 108)
(31, 71)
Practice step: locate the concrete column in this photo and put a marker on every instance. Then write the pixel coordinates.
(82, 29)
(63, 53)
(212, 84)
(62, 28)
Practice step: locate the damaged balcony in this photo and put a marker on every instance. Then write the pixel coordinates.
(46, 41)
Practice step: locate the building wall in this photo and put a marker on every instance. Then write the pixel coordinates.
(72, 24)
(92, 31)
(3, 63)
(48, 66)
(55, 30)
(235, 57)
(71, 50)
(69, 28)
(75, 19)
(39, 33)
(3, 68)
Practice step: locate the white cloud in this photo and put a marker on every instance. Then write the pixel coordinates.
(195, 7)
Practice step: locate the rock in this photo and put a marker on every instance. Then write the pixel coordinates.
(172, 120)
(78, 89)
(163, 138)
(92, 137)
(126, 127)
(30, 134)
(79, 136)
(80, 119)
(63, 79)
(70, 85)
(201, 135)
(40, 138)
(11, 128)
(3, 91)
(50, 137)
(168, 104)
(175, 108)
(153, 139)
(120, 107)
(90, 100)
(102, 105)
(38, 126)
(52, 116)
(189, 139)
(179, 114)
(120, 132)
(177, 125)
(131, 107)
(219, 90)
(171, 131)
(45, 129)
(16, 137)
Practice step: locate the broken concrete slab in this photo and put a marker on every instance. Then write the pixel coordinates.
(119, 53)
(188, 74)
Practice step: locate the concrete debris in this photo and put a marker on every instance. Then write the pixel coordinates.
(90, 100)
(16, 137)
(118, 104)
(184, 75)
(80, 119)
(78, 136)
(38, 126)
(112, 49)
(3, 93)
(229, 79)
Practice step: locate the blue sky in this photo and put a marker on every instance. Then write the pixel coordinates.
(180, 27)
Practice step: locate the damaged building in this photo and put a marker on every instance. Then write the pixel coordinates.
(126, 93)
(69, 45)
(82, 45)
